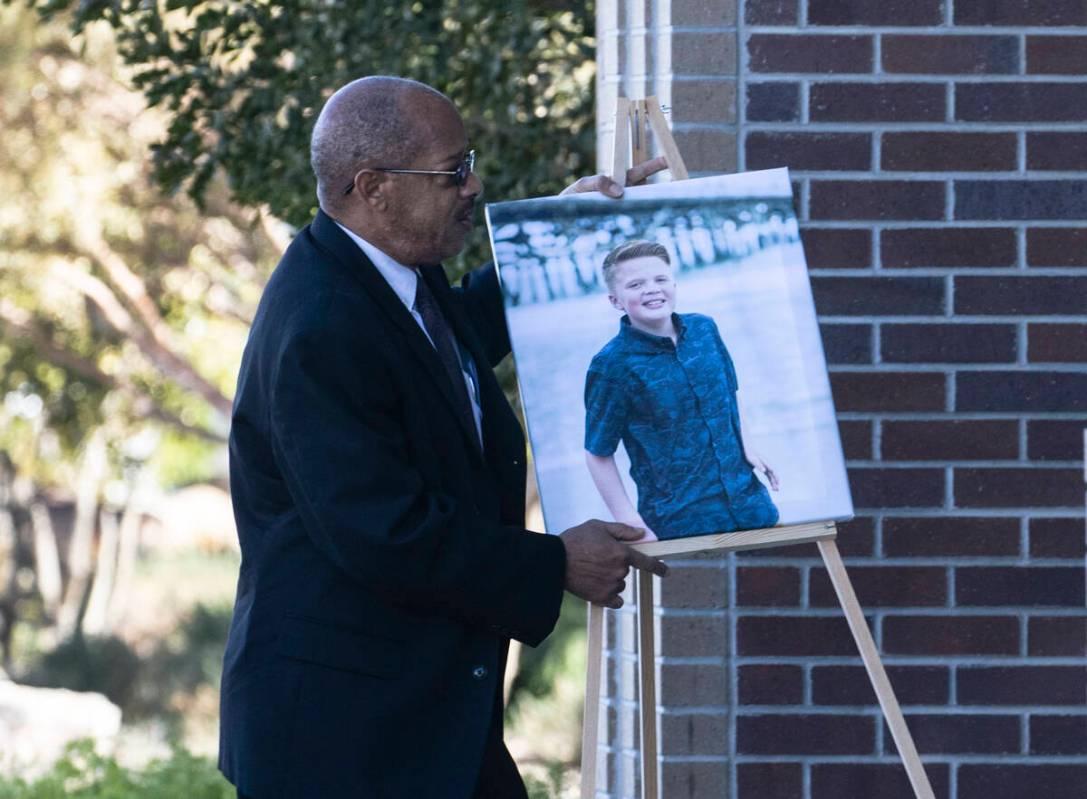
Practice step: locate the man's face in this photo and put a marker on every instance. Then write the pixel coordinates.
(645, 289)
(430, 216)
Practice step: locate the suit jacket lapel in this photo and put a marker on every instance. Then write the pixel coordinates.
(329, 236)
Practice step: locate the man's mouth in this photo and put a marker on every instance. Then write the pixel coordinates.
(465, 216)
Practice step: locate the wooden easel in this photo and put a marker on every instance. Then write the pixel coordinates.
(632, 123)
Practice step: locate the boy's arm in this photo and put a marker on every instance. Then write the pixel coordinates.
(605, 475)
(750, 452)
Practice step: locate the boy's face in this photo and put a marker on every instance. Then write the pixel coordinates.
(645, 289)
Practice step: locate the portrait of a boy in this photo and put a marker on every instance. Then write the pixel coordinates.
(666, 387)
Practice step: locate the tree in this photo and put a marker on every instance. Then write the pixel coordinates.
(242, 83)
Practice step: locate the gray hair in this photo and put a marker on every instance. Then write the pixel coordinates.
(363, 124)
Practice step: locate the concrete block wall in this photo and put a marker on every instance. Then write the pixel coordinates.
(939, 157)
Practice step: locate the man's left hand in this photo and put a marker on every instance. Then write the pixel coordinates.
(608, 187)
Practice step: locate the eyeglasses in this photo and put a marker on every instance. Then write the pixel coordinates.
(460, 174)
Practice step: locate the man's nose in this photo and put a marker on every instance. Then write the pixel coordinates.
(473, 187)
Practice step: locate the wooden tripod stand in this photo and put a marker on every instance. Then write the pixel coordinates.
(632, 123)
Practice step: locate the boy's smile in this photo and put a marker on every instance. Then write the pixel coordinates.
(645, 289)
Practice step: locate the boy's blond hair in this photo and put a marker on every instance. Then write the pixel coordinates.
(628, 251)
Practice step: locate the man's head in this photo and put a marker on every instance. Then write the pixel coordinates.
(641, 281)
(383, 123)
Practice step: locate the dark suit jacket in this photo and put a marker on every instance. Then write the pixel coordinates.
(384, 561)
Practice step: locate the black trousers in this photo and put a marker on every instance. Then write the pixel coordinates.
(498, 776)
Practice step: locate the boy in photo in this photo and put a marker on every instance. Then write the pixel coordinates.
(665, 386)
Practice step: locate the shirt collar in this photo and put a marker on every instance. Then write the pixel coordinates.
(402, 279)
(641, 341)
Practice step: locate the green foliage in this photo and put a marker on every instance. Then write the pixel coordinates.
(242, 83)
(83, 773)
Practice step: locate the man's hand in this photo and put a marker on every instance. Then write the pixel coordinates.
(597, 560)
(608, 187)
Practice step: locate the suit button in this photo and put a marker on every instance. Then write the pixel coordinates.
(479, 672)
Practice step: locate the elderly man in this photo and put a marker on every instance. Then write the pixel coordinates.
(378, 481)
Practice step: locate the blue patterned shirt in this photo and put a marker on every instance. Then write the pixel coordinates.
(674, 408)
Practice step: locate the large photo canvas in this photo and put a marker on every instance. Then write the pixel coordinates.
(670, 365)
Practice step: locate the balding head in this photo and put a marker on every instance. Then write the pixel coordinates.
(365, 124)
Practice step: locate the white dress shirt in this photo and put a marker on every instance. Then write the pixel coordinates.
(403, 280)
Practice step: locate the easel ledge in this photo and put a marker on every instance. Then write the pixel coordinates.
(740, 540)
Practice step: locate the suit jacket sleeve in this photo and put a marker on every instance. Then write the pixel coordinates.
(368, 506)
(481, 296)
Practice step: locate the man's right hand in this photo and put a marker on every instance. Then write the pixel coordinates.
(598, 560)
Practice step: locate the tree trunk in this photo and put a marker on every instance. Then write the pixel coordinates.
(128, 548)
(81, 548)
(95, 619)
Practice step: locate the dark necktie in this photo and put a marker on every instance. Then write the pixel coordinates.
(442, 337)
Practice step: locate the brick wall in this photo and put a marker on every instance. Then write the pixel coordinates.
(939, 156)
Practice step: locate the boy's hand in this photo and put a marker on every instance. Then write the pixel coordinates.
(608, 187)
(759, 465)
(636, 520)
(598, 560)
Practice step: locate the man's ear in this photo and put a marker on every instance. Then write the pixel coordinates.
(372, 188)
(615, 303)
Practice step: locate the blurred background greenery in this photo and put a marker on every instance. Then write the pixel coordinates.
(153, 165)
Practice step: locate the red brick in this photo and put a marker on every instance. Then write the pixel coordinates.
(1021, 102)
(1021, 391)
(951, 635)
(855, 540)
(943, 537)
(779, 780)
(877, 102)
(876, 199)
(950, 440)
(1057, 55)
(856, 436)
(1057, 151)
(888, 391)
(863, 12)
(1053, 343)
(1058, 735)
(950, 55)
(805, 735)
(896, 488)
(770, 12)
(1021, 685)
(1057, 636)
(837, 248)
(870, 780)
(1019, 585)
(878, 296)
(847, 343)
(1046, 781)
(1021, 13)
(943, 733)
(1055, 439)
(955, 152)
(1018, 488)
(773, 52)
(778, 101)
(771, 684)
(849, 685)
(926, 247)
(883, 586)
(799, 636)
(1058, 538)
(933, 343)
(767, 586)
(799, 151)
(1057, 246)
(1020, 295)
(1021, 199)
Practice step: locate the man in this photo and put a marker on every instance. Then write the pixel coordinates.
(378, 476)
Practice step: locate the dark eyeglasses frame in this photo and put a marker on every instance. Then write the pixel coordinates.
(460, 174)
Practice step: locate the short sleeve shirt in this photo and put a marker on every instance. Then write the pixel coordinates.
(674, 408)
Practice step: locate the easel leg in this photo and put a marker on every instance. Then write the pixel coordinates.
(647, 685)
(590, 729)
(876, 673)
